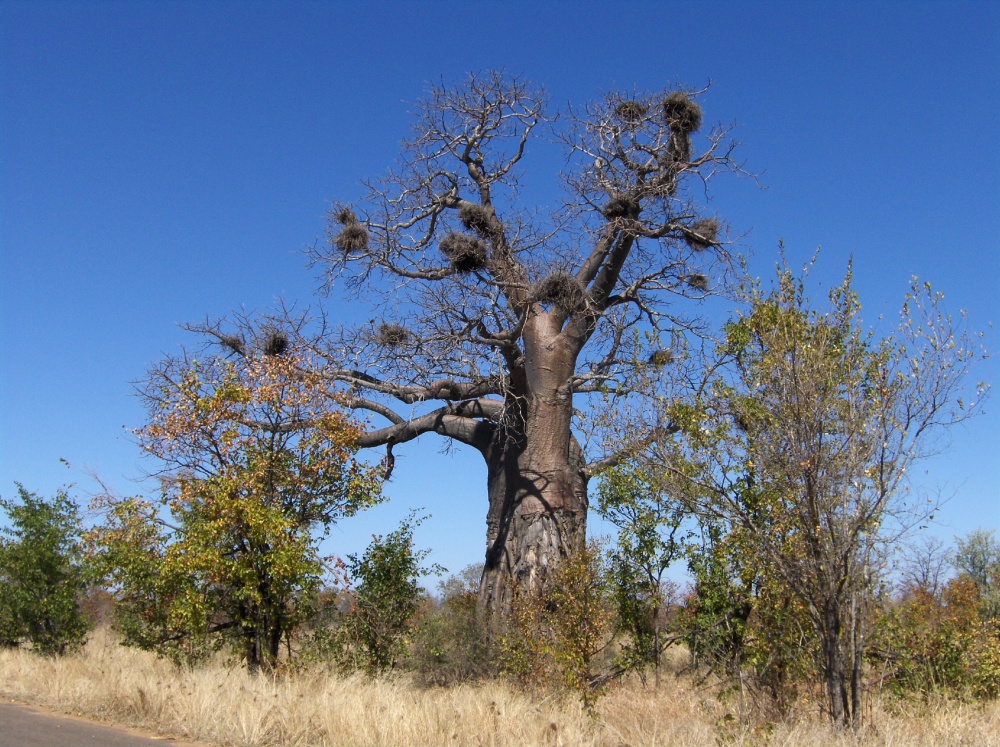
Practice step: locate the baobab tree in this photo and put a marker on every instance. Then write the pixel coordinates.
(497, 321)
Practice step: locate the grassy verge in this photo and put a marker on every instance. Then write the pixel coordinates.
(221, 704)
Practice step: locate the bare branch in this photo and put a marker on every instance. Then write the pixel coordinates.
(454, 421)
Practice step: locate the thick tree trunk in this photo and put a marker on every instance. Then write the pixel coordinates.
(262, 648)
(536, 519)
(537, 481)
(262, 633)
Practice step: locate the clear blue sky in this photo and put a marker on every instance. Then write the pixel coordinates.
(164, 161)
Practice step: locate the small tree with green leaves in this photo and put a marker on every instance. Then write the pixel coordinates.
(650, 538)
(714, 620)
(743, 624)
(386, 598)
(804, 448)
(557, 638)
(581, 614)
(42, 576)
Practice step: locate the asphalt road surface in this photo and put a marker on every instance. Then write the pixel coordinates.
(25, 726)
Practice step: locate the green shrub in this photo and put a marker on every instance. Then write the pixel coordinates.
(938, 643)
(374, 634)
(42, 578)
(451, 643)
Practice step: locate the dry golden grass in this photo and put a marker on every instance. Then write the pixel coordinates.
(223, 705)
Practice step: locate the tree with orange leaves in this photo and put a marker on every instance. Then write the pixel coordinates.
(256, 467)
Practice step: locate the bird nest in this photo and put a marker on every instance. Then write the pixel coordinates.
(465, 253)
(476, 218)
(391, 335)
(681, 113)
(234, 343)
(697, 281)
(353, 239)
(344, 216)
(275, 342)
(702, 234)
(631, 111)
(621, 207)
(561, 290)
(661, 357)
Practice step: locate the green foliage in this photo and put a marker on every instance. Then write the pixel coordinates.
(715, 618)
(386, 599)
(259, 467)
(451, 643)
(650, 539)
(799, 448)
(155, 600)
(978, 557)
(783, 651)
(581, 618)
(742, 623)
(42, 575)
(558, 638)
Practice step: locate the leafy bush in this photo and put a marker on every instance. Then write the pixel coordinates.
(650, 539)
(562, 637)
(742, 624)
(939, 643)
(715, 615)
(374, 634)
(42, 577)
(451, 642)
(257, 466)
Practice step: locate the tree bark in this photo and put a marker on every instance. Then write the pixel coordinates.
(833, 665)
(857, 656)
(536, 475)
(537, 518)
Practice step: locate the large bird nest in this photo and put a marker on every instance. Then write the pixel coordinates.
(621, 207)
(274, 342)
(662, 357)
(353, 237)
(391, 336)
(681, 113)
(698, 281)
(234, 343)
(465, 253)
(561, 290)
(632, 112)
(476, 218)
(702, 234)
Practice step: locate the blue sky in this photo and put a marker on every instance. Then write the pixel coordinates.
(164, 161)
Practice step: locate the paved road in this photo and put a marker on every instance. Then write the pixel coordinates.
(25, 726)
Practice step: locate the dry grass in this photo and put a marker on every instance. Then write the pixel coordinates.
(223, 705)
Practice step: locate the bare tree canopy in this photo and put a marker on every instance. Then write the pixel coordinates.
(505, 318)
